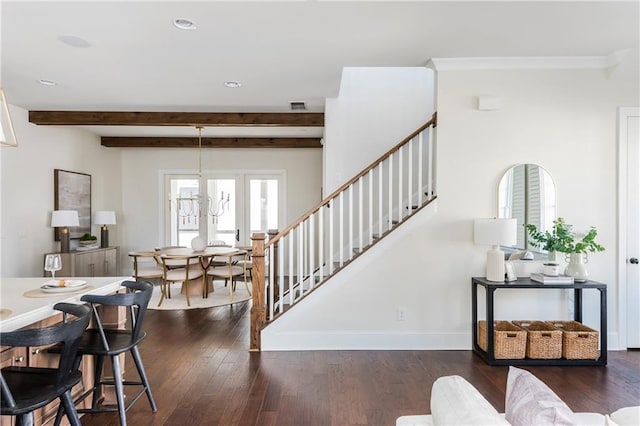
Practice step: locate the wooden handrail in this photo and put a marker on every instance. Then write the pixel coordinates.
(309, 264)
(326, 200)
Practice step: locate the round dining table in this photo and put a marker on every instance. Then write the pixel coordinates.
(207, 259)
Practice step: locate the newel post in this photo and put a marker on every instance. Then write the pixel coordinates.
(258, 311)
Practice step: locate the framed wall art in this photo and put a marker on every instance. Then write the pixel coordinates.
(72, 191)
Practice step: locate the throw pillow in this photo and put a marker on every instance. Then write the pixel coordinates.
(454, 401)
(626, 416)
(530, 402)
(608, 421)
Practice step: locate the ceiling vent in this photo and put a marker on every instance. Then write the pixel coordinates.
(297, 106)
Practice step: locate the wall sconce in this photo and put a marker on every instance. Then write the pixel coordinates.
(64, 219)
(104, 218)
(7, 135)
(495, 232)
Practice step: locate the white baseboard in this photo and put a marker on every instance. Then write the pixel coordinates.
(371, 340)
(367, 340)
(613, 342)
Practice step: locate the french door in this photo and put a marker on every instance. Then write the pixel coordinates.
(629, 134)
(222, 208)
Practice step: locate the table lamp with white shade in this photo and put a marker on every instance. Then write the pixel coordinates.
(495, 233)
(63, 219)
(104, 218)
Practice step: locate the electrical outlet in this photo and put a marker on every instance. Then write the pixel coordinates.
(402, 314)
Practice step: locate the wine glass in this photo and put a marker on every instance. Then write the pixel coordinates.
(52, 263)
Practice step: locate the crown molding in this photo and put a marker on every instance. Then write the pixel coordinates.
(529, 62)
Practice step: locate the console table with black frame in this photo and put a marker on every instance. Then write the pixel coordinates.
(526, 283)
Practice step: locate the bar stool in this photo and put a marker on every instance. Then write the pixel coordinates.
(103, 342)
(25, 389)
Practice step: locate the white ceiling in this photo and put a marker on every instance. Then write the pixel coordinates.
(278, 51)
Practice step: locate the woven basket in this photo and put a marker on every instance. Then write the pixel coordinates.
(509, 340)
(544, 341)
(578, 340)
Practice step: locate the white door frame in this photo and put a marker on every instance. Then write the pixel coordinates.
(280, 175)
(623, 115)
(237, 174)
(238, 201)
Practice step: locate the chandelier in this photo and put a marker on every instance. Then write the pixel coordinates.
(191, 207)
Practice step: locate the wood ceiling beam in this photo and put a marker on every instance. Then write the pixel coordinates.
(131, 118)
(188, 142)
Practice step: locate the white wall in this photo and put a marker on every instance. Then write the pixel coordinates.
(142, 225)
(563, 120)
(26, 195)
(375, 110)
(124, 180)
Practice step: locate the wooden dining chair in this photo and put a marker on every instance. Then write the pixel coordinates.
(231, 271)
(247, 264)
(218, 260)
(180, 268)
(146, 265)
(162, 248)
(218, 243)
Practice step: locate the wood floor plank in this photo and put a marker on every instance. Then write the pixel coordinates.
(202, 373)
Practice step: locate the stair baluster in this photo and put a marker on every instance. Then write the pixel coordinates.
(342, 227)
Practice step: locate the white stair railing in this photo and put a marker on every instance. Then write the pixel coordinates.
(343, 225)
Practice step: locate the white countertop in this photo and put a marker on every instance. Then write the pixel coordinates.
(28, 310)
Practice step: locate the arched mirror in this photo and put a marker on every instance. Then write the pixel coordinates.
(527, 193)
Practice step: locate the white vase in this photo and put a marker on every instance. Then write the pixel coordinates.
(576, 267)
(198, 244)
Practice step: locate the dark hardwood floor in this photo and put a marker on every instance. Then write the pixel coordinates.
(202, 373)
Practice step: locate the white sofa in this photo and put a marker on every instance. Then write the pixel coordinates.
(454, 401)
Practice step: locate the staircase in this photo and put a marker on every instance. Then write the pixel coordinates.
(342, 227)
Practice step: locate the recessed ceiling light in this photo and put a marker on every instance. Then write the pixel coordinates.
(184, 24)
(74, 41)
(47, 82)
(232, 84)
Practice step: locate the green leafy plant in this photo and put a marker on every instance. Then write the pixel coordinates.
(563, 239)
(88, 237)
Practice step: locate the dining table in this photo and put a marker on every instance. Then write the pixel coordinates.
(211, 256)
(225, 251)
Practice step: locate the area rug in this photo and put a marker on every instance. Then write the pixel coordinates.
(219, 297)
